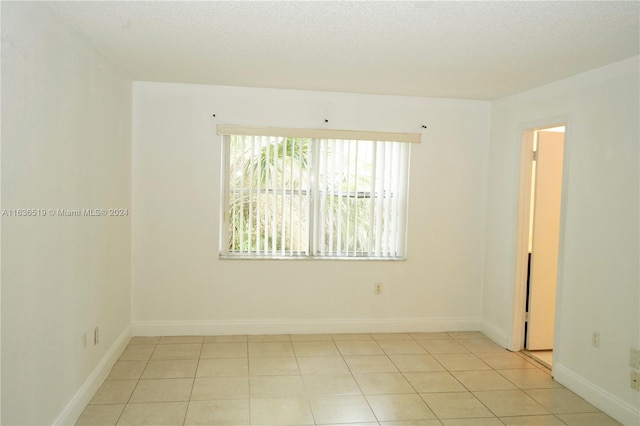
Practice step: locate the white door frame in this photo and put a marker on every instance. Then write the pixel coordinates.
(522, 231)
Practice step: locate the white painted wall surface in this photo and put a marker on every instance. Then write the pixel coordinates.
(179, 284)
(66, 143)
(599, 282)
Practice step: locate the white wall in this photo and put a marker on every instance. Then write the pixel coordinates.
(599, 282)
(181, 287)
(66, 143)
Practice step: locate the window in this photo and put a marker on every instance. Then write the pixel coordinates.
(311, 194)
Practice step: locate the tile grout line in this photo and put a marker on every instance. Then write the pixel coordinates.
(248, 380)
(193, 383)
(358, 383)
(458, 380)
(137, 381)
(387, 356)
(413, 387)
(304, 385)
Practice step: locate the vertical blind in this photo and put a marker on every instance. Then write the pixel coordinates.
(361, 198)
(268, 197)
(314, 197)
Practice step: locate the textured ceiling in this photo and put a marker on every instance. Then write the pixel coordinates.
(473, 50)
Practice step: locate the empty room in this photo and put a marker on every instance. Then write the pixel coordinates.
(320, 213)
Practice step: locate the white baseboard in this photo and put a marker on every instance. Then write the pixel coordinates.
(600, 398)
(294, 326)
(495, 333)
(74, 408)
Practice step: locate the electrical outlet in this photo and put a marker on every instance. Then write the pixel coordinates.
(595, 339)
(377, 288)
(634, 358)
(635, 380)
(96, 336)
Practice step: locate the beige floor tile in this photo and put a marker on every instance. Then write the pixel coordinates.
(114, 392)
(322, 365)
(220, 388)
(281, 411)
(477, 346)
(588, 419)
(466, 335)
(144, 340)
(370, 364)
(224, 350)
(547, 420)
(180, 340)
(456, 405)
(270, 338)
(170, 369)
(226, 339)
(383, 383)
(311, 338)
(351, 337)
(355, 424)
(391, 336)
(541, 357)
(349, 347)
(273, 367)
(99, 415)
(461, 362)
(162, 390)
(483, 380)
(504, 360)
(412, 363)
(430, 336)
(434, 382)
(127, 370)
(399, 407)
(409, 347)
(443, 347)
(177, 351)
(485, 421)
(223, 367)
(505, 403)
(315, 349)
(137, 352)
(561, 401)
(331, 384)
(271, 349)
(530, 378)
(276, 386)
(225, 412)
(160, 414)
(340, 378)
(341, 409)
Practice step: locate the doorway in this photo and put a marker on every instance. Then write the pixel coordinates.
(540, 204)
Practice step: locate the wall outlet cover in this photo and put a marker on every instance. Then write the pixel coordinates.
(635, 380)
(634, 358)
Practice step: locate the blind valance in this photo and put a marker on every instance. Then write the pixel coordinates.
(225, 129)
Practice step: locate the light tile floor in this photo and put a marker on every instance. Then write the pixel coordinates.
(544, 357)
(420, 379)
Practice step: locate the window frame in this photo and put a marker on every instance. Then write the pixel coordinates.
(311, 252)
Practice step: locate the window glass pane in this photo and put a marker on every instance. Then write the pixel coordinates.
(362, 202)
(345, 179)
(268, 195)
(351, 192)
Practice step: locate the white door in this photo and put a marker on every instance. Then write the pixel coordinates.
(545, 240)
